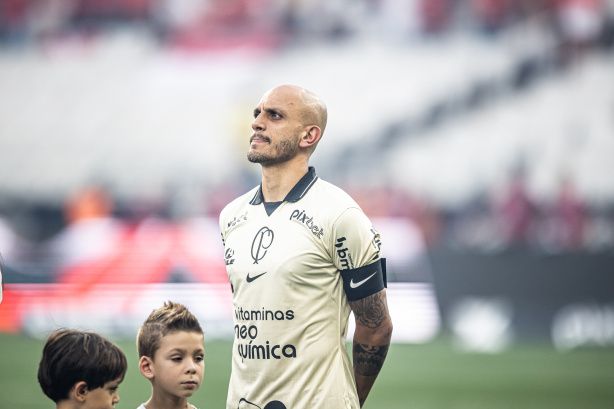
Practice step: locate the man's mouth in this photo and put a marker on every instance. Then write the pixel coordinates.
(259, 138)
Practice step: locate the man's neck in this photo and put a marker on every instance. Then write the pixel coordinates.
(278, 180)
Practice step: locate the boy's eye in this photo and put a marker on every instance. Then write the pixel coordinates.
(199, 358)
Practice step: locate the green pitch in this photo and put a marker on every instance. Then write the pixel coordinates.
(431, 376)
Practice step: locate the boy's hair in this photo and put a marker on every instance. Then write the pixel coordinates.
(71, 356)
(172, 317)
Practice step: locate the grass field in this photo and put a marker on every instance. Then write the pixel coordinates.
(429, 376)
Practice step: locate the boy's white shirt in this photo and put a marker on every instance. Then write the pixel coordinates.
(143, 406)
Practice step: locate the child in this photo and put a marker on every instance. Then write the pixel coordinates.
(171, 356)
(81, 370)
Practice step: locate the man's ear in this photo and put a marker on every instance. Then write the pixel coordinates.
(146, 366)
(79, 391)
(312, 136)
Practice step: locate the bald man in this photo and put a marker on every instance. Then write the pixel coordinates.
(300, 255)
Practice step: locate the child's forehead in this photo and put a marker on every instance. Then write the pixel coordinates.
(180, 339)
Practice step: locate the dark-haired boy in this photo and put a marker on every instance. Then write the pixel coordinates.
(81, 369)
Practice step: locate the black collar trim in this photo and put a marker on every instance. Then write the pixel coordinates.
(298, 191)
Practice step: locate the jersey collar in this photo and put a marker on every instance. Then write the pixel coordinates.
(298, 191)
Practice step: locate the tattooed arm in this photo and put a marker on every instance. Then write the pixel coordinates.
(371, 340)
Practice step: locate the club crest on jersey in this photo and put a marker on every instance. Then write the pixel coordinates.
(301, 216)
(262, 241)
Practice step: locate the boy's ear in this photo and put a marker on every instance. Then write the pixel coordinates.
(79, 391)
(146, 367)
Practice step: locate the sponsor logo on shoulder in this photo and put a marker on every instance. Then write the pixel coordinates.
(344, 255)
(301, 216)
(376, 242)
(237, 219)
(229, 256)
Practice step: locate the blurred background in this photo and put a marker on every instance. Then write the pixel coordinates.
(478, 135)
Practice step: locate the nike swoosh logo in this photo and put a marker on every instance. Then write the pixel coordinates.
(250, 279)
(358, 284)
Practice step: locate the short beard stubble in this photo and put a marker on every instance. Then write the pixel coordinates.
(284, 151)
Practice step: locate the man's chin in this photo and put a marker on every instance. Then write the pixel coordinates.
(255, 158)
(261, 159)
(265, 160)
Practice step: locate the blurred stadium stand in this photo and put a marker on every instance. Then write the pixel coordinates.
(460, 126)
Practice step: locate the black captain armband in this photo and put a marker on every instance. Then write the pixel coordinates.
(364, 281)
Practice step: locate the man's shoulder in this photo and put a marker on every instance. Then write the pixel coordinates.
(332, 195)
(239, 202)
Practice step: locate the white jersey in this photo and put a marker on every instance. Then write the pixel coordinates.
(290, 308)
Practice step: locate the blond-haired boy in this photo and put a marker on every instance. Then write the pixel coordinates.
(170, 345)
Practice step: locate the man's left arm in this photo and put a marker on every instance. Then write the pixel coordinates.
(371, 340)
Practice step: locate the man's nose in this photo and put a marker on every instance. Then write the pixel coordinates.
(258, 123)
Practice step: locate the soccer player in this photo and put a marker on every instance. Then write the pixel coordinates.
(81, 370)
(171, 356)
(300, 254)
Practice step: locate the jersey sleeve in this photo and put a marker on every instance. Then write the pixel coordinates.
(356, 254)
(222, 227)
(356, 243)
